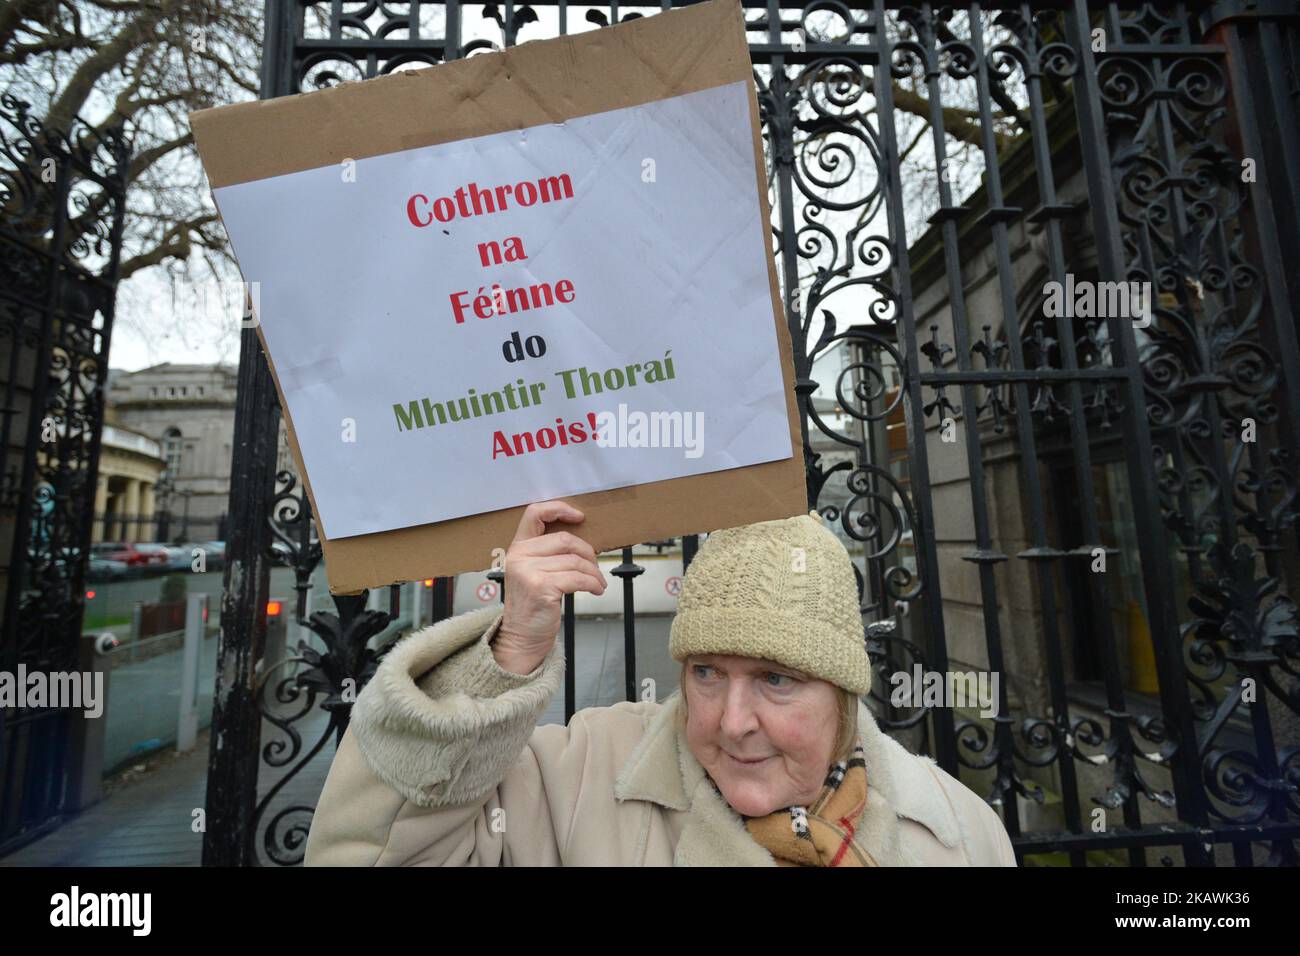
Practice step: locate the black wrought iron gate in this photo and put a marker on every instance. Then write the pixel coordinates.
(939, 177)
(62, 196)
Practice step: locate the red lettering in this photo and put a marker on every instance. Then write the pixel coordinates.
(410, 210)
(561, 434)
(474, 200)
(500, 301)
(457, 307)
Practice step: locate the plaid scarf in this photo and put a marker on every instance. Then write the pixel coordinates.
(823, 833)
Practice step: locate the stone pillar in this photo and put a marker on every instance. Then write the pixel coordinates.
(148, 529)
(101, 506)
(131, 509)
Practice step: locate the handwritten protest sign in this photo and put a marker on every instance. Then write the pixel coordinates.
(536, 274)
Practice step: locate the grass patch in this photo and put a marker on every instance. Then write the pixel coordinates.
(90, 622)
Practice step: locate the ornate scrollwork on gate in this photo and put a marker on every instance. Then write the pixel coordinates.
(1213, 385)
(62, 198)
(290, 691)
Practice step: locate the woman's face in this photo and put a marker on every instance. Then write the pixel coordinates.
(765, 733)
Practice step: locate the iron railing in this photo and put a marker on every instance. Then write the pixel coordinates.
(1108, 143)
(61, 219)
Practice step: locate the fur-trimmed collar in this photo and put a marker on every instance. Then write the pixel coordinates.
(663, 770)
(414, 698)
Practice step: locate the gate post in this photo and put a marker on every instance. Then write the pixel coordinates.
(236, 721)
(1157, 574)
(927, 553)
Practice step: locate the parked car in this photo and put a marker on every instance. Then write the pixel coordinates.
(106, 569)
(162, 557)
(98, 568)
(138, 558)
(179, 557)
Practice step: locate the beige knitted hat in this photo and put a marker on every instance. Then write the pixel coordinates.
(780, 590)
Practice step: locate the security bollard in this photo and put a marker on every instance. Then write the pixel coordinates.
(187, 720)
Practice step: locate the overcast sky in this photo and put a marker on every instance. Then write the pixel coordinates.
(154, 325)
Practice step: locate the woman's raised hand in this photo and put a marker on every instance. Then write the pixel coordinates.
(540, 569)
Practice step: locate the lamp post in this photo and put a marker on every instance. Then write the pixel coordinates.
(185, 521)
(164, 488)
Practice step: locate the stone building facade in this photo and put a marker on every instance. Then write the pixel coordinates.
(189, 410)
(130, 465)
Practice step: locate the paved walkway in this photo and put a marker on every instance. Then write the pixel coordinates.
(147, 817)
(144, 700)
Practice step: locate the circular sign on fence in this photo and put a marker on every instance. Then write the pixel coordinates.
(487, 591)
(674, 585)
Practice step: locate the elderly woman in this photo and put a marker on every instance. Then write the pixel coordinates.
(764, 756)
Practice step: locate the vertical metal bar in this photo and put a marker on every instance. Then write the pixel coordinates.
(629, 634)
(452, 49)
(945, 745)
(1178, 219)
(781, 127)
(570, 660)
(626, 572)
(872, 448)
(1040, 554)
(1265, 222)
(36, 408)
(1281, 111)
(1268, 245)
(984, 556)
(96, 401)
(1155, 555)
(1078, 429)
(236, 723)
(690, 544)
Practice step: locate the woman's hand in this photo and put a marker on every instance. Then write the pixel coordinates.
(540, 569)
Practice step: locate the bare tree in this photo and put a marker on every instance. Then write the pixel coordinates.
(146, 64)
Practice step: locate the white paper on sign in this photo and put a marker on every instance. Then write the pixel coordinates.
(654, 268)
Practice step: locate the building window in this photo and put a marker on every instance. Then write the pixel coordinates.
(153, 391)
(171, 391)
(172, 450)
(198, 390)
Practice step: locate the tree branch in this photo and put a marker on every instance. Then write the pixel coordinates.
(18, 55)
(959, 124)
(175, 243)
(17, 12)
(94, 67)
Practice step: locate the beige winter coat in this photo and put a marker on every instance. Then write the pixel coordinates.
(448, 768)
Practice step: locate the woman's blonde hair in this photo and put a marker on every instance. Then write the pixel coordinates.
(848, 717)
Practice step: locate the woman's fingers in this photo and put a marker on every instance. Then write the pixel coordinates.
(570, 581)
(532, 523)
(560, 563)
(539, 565)
(557, 542)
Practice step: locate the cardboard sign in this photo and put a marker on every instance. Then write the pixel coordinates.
(543, 273)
